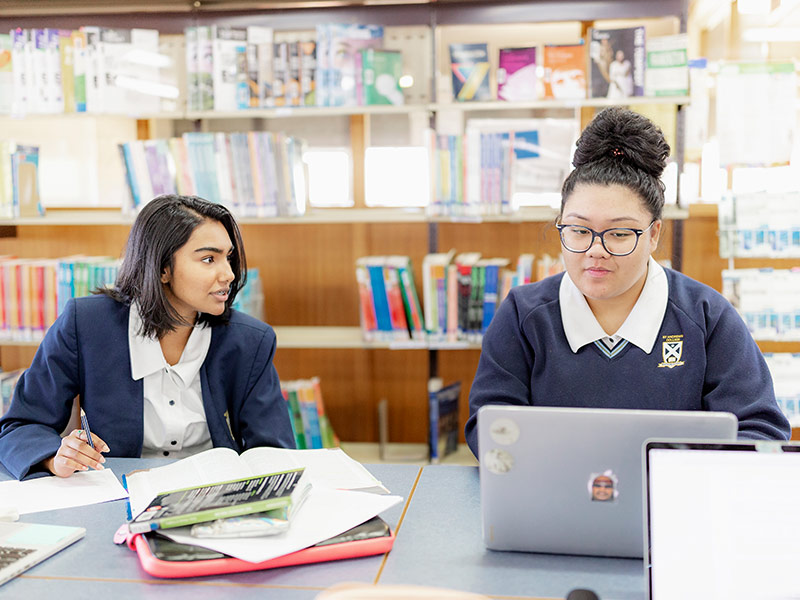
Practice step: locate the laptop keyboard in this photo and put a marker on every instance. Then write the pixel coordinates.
(9, 555)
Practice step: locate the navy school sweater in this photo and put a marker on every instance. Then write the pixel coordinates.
(704, 359)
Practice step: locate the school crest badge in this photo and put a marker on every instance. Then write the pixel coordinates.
(671, 351)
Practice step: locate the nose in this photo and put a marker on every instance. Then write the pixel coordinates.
(597, 249)
(226, 272)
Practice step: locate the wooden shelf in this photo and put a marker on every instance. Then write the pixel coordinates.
(496, 105)
(351, 338)
(92, 217)
(289, 112)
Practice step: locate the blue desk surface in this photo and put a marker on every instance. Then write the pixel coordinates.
(438, 544)
(95, 567)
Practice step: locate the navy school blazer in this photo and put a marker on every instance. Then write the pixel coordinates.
(85, 353)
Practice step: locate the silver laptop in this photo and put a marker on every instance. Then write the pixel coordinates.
(23, 545)
(722, 520)
(569, 480)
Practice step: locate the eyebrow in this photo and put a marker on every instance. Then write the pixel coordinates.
(215, 250)
(618, 219)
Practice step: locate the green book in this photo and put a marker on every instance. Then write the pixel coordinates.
(382, 70)
(203, 503)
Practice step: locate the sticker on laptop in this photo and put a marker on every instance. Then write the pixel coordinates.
(504, 431)
(498, 461)
(603, 487)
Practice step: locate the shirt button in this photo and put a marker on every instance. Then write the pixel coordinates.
(172, 402)
(174, 443)
(166, 453)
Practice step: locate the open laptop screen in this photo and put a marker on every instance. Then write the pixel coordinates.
(722, 520)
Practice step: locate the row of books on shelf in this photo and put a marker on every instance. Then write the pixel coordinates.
(310, 423)
(610, 63)
(90, 69)
(130, 71)
(785, 370)
(759, 225)
(767, 299)
(256, 173)
(33, 292)
(498, 165)
(460, 293)
(230, 68)
(19, 181)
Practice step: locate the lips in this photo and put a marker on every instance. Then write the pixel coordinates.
(597, 271)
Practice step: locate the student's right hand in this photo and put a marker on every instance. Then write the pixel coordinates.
(75, 454)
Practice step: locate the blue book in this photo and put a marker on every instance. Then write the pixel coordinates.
(200, 148)
(382, 316)
(491, 288)
(443, 418)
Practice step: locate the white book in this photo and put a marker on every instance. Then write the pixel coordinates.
(93, 68)
(227, 193)
(52, 52)
(259, 44)
(229, 56)
(6, 75)
(127, 58)
(192, 73)
(142, 172)
(40, 101)
(22, 71)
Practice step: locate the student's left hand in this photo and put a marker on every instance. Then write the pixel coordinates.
(75, 454)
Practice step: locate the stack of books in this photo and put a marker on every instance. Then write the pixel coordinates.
(219, 512)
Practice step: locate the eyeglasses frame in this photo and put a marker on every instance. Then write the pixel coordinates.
(600, 234)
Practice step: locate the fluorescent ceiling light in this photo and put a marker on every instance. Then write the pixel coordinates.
(151, 88)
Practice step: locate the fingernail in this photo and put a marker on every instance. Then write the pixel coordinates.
(107, 449)
(102, 459)
(99, 467)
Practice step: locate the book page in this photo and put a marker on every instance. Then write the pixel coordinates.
(326, 467)
(211, 466)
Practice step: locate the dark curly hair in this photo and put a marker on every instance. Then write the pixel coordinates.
(163, 226)
(625, 148)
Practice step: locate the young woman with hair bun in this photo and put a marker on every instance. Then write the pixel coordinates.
(616, 329)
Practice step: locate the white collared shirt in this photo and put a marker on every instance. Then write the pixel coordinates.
(640, 328)
(174, 418)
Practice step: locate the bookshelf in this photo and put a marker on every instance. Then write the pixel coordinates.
(307, 263)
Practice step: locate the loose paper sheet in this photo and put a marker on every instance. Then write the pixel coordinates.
(51, 493)
(326, 513)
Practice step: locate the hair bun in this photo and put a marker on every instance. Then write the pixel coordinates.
(623, 135)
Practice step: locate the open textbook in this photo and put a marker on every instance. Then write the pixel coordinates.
(328, 468)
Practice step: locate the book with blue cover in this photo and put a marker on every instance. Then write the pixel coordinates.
(469, 64)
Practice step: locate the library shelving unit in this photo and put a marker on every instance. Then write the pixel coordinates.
(307, 263)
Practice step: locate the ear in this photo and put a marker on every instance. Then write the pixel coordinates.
(655, 235)
(165, 275)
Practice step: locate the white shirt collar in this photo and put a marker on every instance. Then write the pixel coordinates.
(147, 357)
(640, 328)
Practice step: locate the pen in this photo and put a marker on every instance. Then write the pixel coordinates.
(85, 425)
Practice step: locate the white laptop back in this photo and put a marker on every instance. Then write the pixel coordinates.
(23, 545)
(722, 520)
(569, 480)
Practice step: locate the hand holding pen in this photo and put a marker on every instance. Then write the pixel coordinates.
(78, 452)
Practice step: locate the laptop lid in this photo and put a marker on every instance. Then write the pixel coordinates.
(722, 520)
(569, 480)
(23, 545)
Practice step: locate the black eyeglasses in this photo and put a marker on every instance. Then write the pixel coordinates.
(618, 241)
